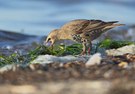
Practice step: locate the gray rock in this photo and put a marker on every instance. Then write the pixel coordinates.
(44, 59)
(123, 50)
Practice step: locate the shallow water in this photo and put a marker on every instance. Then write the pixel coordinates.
(39, 17)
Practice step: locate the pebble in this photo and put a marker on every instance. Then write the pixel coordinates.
(95, 59)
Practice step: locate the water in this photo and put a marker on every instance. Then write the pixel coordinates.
(39, 17)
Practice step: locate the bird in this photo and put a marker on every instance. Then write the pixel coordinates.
(82, 31)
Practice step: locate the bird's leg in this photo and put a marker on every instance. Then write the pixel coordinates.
(90, 47)
(84, 48)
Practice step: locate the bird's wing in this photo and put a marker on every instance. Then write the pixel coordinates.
(98, 28)
(83, 26)
(75, 26)
(91, 24)
(98, 24)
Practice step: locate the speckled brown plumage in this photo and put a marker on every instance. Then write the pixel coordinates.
(82, 31)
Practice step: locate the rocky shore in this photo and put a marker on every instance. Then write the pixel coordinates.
(110, 73)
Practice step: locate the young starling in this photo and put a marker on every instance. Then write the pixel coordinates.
(82, 31)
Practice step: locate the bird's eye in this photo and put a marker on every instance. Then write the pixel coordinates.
(49, 39)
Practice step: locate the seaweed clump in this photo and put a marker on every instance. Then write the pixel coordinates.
(19, 58)
(113, 44)
(58, 50)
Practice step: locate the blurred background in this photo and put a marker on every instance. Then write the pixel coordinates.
(39, 17)
(23, 22)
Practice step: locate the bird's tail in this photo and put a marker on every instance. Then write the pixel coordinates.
(112, 25)
(112, 22)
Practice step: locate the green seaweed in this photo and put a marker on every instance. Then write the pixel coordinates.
(58, 50)
(113, 44)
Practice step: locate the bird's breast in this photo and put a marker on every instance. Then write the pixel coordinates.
(77, 38)
(89, 36)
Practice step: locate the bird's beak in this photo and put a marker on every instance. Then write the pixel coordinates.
(49, 43)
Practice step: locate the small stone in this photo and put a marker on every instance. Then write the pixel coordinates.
(108, 74)
(6, 68)
(95, 59)
(123, 64)
(32, 67)
(61, 65)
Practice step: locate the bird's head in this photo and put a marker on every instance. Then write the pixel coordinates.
(52, 37)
